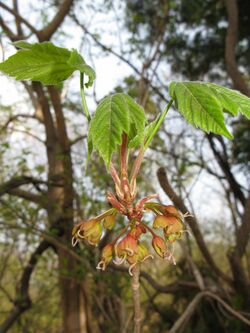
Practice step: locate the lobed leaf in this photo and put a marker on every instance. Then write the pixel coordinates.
(200, 106)
(115, 115)
(231, 100)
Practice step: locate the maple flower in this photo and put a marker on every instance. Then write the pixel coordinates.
(128, 246)
(159, 246)
(90, 230)
(174, 232)
(140, 256)
(106, 257)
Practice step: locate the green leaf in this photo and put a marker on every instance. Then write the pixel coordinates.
(22, 44)
(231, 100)
(200, 106)
(135, 138)
(115, 115)
(77, 61)
(45, 62)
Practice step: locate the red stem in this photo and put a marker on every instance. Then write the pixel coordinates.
(124, 153)
(149, 229)
(114, 174)
(137, 165)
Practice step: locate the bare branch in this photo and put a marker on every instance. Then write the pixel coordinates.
(194, 303)
(15, 182)
(47, 32)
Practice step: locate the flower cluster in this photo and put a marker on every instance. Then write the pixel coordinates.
(128, 246)
(170, 220)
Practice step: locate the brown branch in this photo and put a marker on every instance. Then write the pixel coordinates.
(29, 196)
(192, 222)
(225, 167)
(16, 117)
(23, 301)
(19, 17)
(79, 138)
(47, 32)
(194, 303)
(18, 22)
(230, 47)
(15, 182)
(8, 31)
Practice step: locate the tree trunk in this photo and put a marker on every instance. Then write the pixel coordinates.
(72, 302)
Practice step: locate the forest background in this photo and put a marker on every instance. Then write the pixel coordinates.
(137, 47)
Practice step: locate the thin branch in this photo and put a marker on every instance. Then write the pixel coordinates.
(119, 56)
(8, 31)
(192, 306)
(19, 17)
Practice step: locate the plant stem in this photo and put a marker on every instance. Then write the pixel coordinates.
(158, 124)
(84, 103)
(135, 283)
